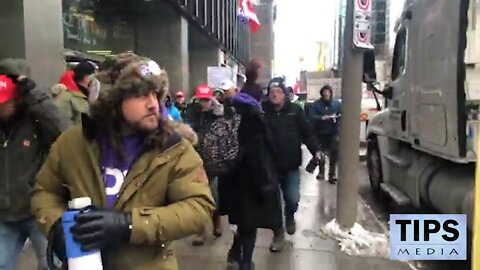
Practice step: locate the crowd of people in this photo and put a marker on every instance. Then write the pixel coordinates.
(157, 168)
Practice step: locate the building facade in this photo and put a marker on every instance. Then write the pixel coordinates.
(263, 41)
(184, 37)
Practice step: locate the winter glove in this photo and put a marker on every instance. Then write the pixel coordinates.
(24, 84)
(95, 230)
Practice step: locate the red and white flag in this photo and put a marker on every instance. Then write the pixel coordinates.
(246, 12)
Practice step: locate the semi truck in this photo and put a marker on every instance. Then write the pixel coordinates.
(421, 146)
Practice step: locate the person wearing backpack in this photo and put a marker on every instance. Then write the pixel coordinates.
(201, 116)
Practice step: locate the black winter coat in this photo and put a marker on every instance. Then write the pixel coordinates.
(290, 129)
(251, 193)
(25, 143)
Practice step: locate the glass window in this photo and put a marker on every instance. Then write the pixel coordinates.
(88, 27)
(400, 54)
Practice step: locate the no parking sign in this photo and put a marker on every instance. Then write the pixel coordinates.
(362, 24)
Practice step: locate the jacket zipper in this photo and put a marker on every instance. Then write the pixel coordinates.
(6, 140)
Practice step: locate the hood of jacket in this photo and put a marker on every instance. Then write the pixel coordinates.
(67, 80)
(217, 108)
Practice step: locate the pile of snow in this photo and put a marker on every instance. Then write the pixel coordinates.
(358, 241)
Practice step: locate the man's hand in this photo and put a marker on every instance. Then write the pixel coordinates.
(95, 230)
(24, 84)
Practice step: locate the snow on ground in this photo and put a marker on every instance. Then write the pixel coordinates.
(358, 241)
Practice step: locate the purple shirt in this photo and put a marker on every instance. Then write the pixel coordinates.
(115, 168)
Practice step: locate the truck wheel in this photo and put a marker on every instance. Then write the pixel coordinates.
(374, 165)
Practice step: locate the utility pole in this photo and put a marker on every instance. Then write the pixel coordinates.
(347, 190)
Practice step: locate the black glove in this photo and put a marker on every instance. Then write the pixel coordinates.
(57, 240)
(95, 230)
(24, 84)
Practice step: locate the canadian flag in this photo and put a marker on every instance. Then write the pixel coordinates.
(246, 12)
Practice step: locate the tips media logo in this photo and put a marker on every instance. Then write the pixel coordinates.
(428, 237)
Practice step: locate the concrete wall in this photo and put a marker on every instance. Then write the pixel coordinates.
(34, 32)
(164, 38)
(262, 42)
(203, 53)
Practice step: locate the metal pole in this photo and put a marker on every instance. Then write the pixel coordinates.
(347, 191)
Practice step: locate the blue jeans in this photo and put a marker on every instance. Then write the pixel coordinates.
(12, 239)
(290, 186)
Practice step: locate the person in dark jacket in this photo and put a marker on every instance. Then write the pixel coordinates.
(289, 124)
(325, 115)
(29, 124)
(254, 199)
(201, 116)
(180, 103)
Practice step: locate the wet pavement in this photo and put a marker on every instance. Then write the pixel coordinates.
(307, 249)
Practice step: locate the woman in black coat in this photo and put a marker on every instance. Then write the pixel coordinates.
(253, 199)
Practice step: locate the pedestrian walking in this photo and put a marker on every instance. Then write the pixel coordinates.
(72, 93)
(289, 124)
(201, 116)
(146, 182)
(325, 115)
(254, 199)
(29, 124)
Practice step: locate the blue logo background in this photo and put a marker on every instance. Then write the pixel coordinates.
(436, 248)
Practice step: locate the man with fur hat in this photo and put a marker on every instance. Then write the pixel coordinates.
(146, 182)
(29, 124)
(289, 124)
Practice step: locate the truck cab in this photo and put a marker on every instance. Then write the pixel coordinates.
(421, 146)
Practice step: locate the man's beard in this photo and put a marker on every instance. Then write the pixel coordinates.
(140, 127)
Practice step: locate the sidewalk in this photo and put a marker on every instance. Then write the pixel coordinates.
(308, 249)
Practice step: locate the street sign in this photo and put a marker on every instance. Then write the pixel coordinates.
(362, 25)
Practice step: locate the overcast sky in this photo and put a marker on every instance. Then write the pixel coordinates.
(300, 25)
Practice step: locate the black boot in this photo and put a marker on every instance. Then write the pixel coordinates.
(217, 225)
(332, 180)
(312, 165)
(247, 266)
(290, 224)
(235, 252)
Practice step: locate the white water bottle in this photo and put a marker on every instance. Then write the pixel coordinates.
(78, 259)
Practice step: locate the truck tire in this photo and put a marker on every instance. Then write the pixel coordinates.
(374, 166)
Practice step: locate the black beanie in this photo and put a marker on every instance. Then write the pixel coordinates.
(83, 69)
(278, 82)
